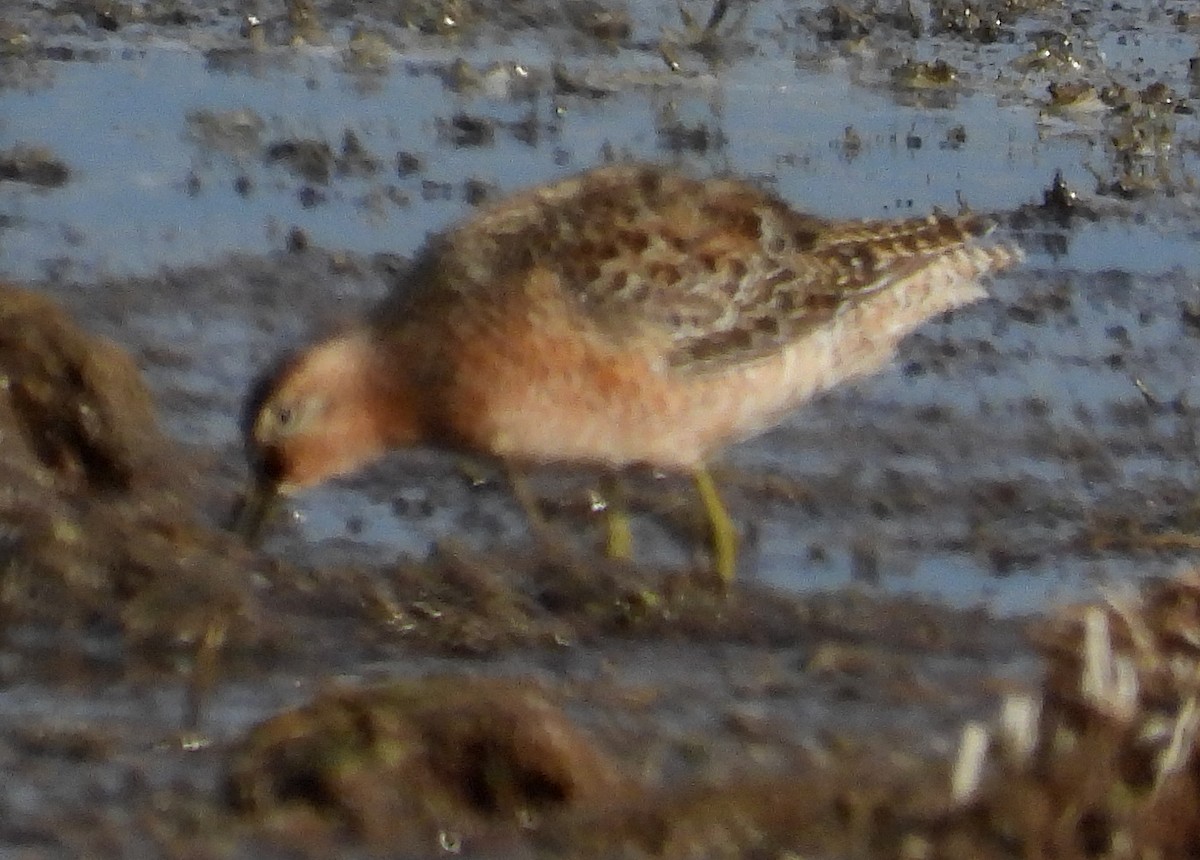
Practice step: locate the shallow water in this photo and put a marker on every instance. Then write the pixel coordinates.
(151, 153)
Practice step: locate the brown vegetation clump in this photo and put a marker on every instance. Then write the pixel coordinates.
(422, 763)
(71, 405)
(98, 528)
(1106, 764)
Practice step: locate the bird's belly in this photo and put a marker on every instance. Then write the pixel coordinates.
(547, 392)
(611, 409)
(623, 408)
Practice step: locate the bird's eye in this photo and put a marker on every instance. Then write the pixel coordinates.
(294, 416)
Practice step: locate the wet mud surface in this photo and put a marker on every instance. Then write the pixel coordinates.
(406, 668)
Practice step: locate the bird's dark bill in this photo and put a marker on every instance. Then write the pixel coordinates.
(252, 513)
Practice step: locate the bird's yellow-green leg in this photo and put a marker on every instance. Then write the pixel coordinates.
(722, 534)
(619, 543)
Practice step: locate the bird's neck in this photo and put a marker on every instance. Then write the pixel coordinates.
(397, 410)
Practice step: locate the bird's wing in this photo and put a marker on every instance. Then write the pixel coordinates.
(705, 273)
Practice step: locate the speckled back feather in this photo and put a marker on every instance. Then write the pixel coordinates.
(713, 273)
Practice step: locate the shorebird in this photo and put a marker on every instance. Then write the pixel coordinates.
(626, 315)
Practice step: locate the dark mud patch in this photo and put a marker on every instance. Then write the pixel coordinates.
(34, 165)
